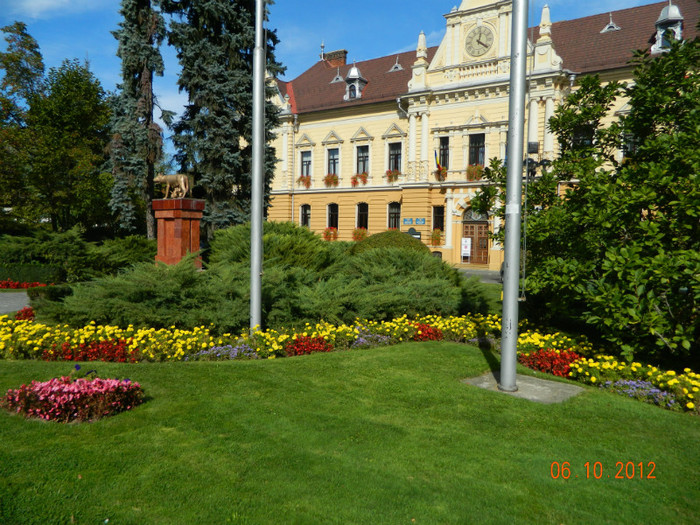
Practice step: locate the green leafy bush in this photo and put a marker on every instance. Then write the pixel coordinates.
(304, 280)
(32, 273)
(390, 239)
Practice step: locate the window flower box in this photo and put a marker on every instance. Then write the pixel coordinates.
(441, 174)
(359, 234)
(392, 175)
(330, 234)
(436, 237)
(359, 178)
(304, 180)
(331, 180)
(475, 171)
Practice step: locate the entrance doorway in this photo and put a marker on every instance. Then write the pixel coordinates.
(475, 238)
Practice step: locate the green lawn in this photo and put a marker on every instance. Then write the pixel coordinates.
(381, 436)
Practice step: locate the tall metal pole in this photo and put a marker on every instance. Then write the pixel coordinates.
(516, 124)
(256, 204)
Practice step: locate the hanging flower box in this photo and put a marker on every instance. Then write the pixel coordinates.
(359, 234)
(441, 174)
(330, 234)
(304, 180)
(331, 180)
(475, 171)
(392, 175)
(359, 178)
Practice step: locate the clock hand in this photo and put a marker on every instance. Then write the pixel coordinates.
(480, 42)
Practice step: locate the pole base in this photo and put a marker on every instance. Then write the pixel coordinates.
(507, 389)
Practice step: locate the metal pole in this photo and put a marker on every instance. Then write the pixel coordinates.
(516, 124)
(256, 204)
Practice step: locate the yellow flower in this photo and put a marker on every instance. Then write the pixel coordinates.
(690, 406)
(593, 379)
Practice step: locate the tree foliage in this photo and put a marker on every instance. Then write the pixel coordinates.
(214, 42)
(137, 142)
(621, 251)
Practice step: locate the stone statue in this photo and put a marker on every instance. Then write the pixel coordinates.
(179, 182)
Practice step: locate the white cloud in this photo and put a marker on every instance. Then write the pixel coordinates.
(42, 9)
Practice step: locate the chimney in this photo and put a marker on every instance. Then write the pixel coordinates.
(336, 58)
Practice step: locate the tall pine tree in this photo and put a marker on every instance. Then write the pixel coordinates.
(137, 141)
(214, 40)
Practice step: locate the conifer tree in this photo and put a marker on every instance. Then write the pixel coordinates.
(137, 143)
(214, 40)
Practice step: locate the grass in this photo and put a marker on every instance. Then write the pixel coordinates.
(493, 297)
(376, 436)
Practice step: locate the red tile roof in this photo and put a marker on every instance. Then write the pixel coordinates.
(584, 49)
(580, 44)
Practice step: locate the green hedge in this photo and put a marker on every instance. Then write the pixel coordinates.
(32, 273)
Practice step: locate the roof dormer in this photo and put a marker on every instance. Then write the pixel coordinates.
(354, 84)
(671, 20)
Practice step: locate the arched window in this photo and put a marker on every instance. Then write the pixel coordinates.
(352, 91)
(362, 215)
(333, 216)
(394, 221)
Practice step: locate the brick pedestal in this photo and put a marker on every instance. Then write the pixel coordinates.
(178, 228)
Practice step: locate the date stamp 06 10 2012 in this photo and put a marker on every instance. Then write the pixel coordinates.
(595, 470)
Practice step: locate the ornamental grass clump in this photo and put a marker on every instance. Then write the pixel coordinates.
(65, 399)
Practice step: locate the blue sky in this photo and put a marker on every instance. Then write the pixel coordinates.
(81, 29)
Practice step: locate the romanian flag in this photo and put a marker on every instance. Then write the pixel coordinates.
(437, 162)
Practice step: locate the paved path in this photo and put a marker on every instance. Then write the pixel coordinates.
(13, 301)
(485, 276)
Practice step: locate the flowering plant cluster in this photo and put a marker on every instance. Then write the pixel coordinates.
(64, 399)
(25, 314)
(441, 174)
(532, 341)
(475, 171)
(641, 391)
(392, 175)
(109, 350)
(215, 353)
(331, 180)
(330, 234)
(425, 332)
(303, 345)
(359, 178)
(368, 339)
(359, 234)
(684, 387)
(14, 285)
(304, 180)
(555, 362)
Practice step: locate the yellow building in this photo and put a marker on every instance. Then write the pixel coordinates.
(359, 144)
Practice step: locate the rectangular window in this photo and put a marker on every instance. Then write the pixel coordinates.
(362, 215)
(439, 218)
(477, 149)
(305, 219)
(362, 159)
(333, 216)
(444, 156)
(394, 215)
(333, 159)
(582, 137)
(395, 156)
(305, 163)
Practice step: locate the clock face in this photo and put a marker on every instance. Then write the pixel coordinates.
(479, 41)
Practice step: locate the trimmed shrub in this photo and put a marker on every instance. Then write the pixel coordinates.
(31, 273)
(390, 239)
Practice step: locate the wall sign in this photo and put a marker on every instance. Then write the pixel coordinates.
(420, 222)
(407, 221)
(466, 247)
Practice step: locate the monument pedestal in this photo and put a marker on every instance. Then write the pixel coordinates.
(178, 228)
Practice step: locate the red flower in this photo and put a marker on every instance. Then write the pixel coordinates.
(555, 362)
(303, 345)
(111, 350)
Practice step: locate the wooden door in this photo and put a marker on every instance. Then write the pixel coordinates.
(478, 233)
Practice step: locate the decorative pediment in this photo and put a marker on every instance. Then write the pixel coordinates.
(332, 138)
(477, 120)
(361, 135)
(393, 132)
(304, 140)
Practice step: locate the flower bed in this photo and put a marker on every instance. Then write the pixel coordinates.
(25, 314)
(64, 399)
(14, 285)
(551, 353)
